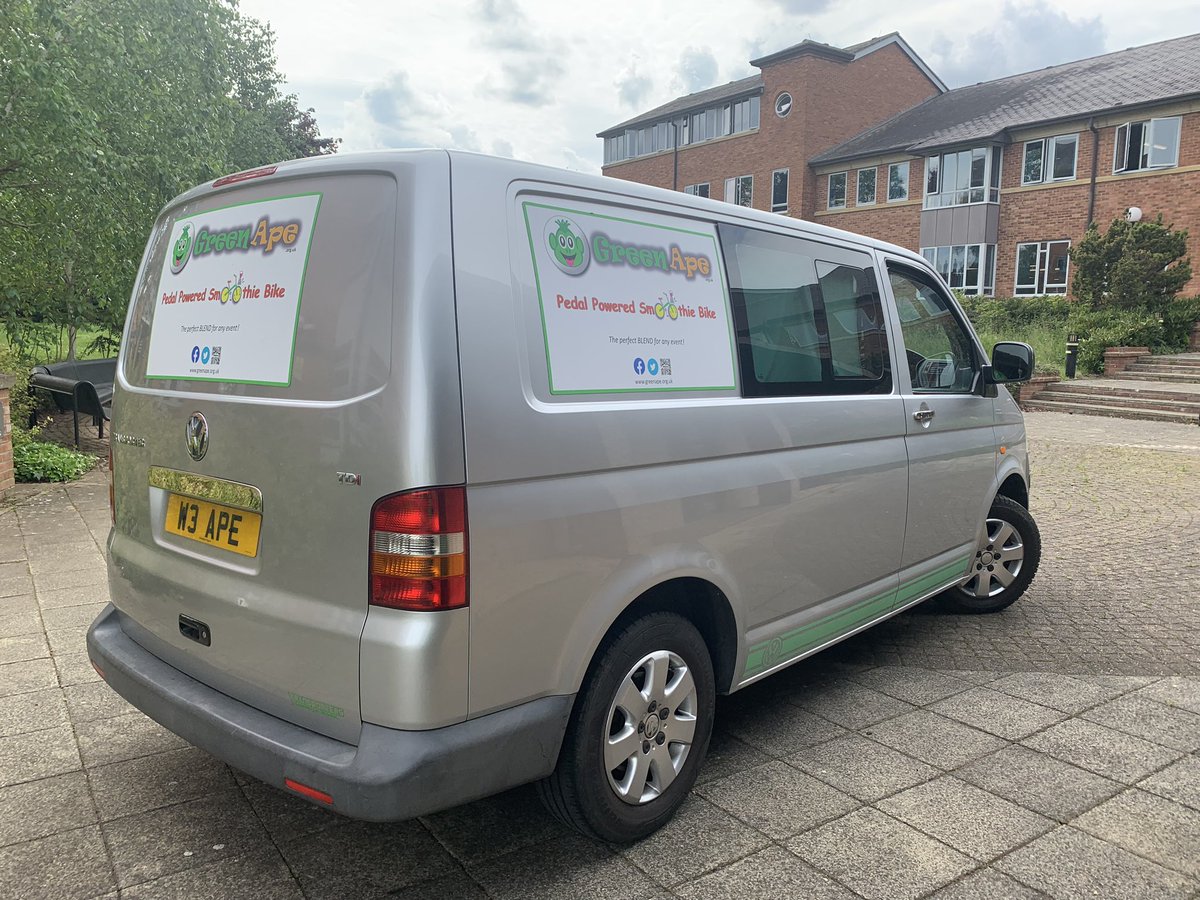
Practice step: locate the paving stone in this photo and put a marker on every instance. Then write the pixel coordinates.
(86, 702)
(966, 818)
(777, 799)
(38, 754)
(913, 685)
(73, 596)
(67, 865)
(285, 815)
(256, 876)
(1145, 718)
(67, 640)
(996, 713)
(862, 768)
(455, 886)
(37, 809)
(1104, 751)
(58, 580)
(80, 616)
(1069, 695)
(852, 705)
(879, 857)
(1181, 692)
(150, 782)
(1069, 864)
(75, 668)
(14, 579)
(176, 838)
(128, 736)
(1039, 782)
(727, 756)
(698, 840)
(567, 868)
(495, 825)
(363, 859)
(769, 873)
(25, 646)
(19, 622)
(775, 728)
(35, 711)
(934, 739)
(29, 675)
(1179, 782)
(1150, 826)
(974, 676)
(987, 884)
(19, 603)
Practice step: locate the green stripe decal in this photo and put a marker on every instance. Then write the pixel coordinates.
(796, 641)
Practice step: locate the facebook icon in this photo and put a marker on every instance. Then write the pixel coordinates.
(195, 354)
(639, 366)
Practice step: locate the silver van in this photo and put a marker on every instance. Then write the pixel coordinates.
(436, 474)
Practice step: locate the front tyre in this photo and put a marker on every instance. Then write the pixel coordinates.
(1004, 563)
(639, 732)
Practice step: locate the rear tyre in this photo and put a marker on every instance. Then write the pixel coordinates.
(1004, 564)
(638, 733)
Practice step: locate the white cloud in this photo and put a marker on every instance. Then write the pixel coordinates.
(697, 69)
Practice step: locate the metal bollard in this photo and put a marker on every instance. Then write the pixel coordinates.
(1072, 353)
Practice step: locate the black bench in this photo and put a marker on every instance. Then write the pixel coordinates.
(78, 386)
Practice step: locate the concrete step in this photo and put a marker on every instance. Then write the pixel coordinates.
(1171, 360)
(1146, 366)
(1117, 412)
(1182, 403)
(1128, 388)
(1160, 375)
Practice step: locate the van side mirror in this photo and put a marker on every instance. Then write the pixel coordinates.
(1012, 362)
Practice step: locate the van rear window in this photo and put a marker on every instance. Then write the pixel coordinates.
(275, 289)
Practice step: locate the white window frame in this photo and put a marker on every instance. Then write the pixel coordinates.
(1049, 153)
(694, 189)
(874, 170)
(987, 273)
(1147, 137)
(787, 188)
(1042, 265)
(991, 165)
(829, 204)
(1041, 142)
(907, 179)
(734, 185)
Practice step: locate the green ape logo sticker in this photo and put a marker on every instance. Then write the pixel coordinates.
(568, 246)
(181, 252)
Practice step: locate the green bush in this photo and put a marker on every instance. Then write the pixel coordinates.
(22, 403)
(35, 460)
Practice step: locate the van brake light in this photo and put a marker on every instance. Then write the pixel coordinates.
(419, 550)
(112, 494)
(244, 176)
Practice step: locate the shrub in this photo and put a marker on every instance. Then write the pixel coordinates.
(21, 401)
(35, 460)
(1132, 266)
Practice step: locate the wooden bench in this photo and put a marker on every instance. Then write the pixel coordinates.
(78, 386)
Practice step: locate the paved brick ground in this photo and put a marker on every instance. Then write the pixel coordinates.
(1048, 751)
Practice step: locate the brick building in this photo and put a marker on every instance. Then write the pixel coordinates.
(993, 182)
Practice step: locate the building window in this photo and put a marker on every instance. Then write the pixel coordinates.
(1153, 144)
(866, 187)
(1042, 268)
(783, 105)
(897, 182)
(837, 190)
(970, 268)
(697, 190)
(779, 191)
(740, 190)
(1050, 159)
(693, 128)
(962, 177)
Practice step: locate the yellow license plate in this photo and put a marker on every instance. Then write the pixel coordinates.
(230, 529)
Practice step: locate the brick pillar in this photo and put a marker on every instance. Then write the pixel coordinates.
(1034, 385)
(6, 457)
(1195, 342)
(1116, 359)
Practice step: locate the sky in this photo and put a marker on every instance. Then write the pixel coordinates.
(537, 79)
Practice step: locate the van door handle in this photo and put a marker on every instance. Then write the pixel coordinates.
(923, 415)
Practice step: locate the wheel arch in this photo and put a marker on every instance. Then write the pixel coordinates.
(1014, 488)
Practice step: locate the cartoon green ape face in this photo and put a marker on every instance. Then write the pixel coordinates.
(566, 246)
(182, 250)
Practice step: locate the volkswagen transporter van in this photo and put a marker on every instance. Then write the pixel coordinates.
(436, 474)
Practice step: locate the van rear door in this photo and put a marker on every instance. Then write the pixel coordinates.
(258, 416)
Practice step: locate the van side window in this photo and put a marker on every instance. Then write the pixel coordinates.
(941, 355)
(805, 326)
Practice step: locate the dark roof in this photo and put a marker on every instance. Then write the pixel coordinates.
(698, 100)
(807, 46)
(1139, 76)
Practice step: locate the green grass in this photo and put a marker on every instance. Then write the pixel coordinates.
(1049, 343)
(57, 350)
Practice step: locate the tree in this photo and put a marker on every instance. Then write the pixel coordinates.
(1133, 265)
(108, 108)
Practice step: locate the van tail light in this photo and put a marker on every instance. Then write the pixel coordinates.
(261, 172)
(112, 494)
(419, 550)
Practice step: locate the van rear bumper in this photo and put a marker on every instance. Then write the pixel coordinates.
(390, 775)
